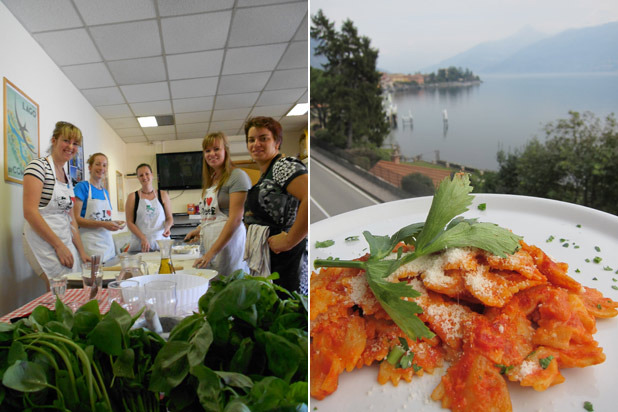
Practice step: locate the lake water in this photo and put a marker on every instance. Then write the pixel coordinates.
(504, 112)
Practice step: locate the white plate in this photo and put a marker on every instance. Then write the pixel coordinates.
(536, 220)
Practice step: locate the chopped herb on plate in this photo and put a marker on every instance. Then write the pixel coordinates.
(544, 362)
(324, 244)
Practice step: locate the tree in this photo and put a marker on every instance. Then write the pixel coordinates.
(352, 96)
(319, 102)
(577, 164)
(418, 184)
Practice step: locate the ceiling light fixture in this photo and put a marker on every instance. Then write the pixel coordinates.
(299, 110)
(147, 121)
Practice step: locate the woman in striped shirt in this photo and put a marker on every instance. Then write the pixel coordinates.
(52, 243)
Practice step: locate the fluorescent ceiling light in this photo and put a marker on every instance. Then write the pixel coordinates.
(148, 121)
(299, 109)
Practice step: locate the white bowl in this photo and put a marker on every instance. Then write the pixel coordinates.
(189, 289)
(203, 273)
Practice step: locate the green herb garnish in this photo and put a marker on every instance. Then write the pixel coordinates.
(443, 228)
(550, 238)
(324, 244)
(599, 306)
(597, 259)
(351, 238)
(504, 369)
(482, 206)
(614, 287)
(588, 406)
(598, 249)
(544, 362)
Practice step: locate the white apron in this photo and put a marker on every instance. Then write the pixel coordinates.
(150, 220)
(230, 258)
(98, 241)
(57, 215)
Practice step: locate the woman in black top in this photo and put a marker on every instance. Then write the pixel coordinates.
(278, 200)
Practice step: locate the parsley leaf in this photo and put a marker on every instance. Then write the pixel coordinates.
(482, 206)
(588, 406)
(442, 229)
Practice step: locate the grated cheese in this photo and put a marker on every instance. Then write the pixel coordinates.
(432, 266)
(478, 283)
(450, 318)
(359, 289)
(526, 368)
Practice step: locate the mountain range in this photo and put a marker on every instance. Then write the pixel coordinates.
(589, 49)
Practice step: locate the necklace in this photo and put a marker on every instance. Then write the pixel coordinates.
(147, 193)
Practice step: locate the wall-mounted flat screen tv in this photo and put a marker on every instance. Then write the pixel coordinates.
(179, 171)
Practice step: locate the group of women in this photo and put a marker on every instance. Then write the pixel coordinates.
(64, 226)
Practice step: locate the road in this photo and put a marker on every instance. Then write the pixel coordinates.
(332, 195)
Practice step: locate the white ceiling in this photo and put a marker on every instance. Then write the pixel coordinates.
(210, 63)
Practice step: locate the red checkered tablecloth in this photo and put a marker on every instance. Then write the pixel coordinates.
(71, 295)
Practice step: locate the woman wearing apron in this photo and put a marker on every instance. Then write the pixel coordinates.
(50, 232)
(279, 200)
(93, 211)
(223, 197)
(151, 218)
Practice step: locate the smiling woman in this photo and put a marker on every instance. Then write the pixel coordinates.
(51, 241)
(93, 210)
(278, 202)
(224, 191)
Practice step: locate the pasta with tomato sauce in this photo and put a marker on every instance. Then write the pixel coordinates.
(520, 318)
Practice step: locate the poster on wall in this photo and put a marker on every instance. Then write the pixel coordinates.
(21, 132)
(76, 166)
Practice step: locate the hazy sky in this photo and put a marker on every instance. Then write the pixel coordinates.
(413, 34)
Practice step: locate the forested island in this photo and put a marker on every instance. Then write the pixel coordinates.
(446, 77)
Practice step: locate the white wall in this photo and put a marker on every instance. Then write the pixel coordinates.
(27, 66)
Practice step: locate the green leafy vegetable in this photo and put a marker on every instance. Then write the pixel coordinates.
(443, 228)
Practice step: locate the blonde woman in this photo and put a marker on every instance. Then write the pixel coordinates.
(51, 240)
(93, 211)
(224, 191)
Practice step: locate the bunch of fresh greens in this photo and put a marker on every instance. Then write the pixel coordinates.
(442, 229)
(246, 350)
(77, 362)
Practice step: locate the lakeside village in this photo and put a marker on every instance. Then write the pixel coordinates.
(407, 175)
(398, 167)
